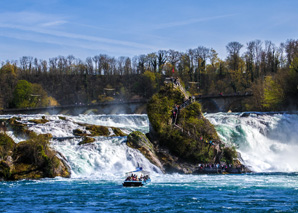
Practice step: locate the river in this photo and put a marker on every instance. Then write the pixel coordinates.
(268, 144)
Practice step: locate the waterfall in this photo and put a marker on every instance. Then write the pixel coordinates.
(266, 142)
(107, 157)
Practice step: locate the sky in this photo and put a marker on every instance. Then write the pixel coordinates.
(85, 28)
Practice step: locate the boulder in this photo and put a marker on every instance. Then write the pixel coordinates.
(181, 142)
(30, 159)
(138, 140)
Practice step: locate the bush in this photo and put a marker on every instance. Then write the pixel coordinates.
(229, 153)
(6, 145)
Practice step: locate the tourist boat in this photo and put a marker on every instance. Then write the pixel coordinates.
(139, 177)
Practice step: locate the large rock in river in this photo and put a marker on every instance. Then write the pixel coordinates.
(30, 159)
(182, 142)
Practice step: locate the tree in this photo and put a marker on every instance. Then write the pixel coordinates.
(233, 49)
(291, 48)
(21, 94)
(8, 78)
(273, 94)
(162, 59)
(152, 61)
(173, 57)
(26, 94)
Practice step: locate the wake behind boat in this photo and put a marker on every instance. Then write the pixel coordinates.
(139, 177)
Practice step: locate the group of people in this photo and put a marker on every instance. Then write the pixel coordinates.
(134, 177)
(176, 109)
(211, 143)
(212, 166)
(175, 112)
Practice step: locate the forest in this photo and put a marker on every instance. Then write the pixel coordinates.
(267, 71)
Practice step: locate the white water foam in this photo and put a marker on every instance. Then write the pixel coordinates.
(267, 143)
(107, 157)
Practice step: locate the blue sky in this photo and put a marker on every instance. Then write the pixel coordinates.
(83, 28)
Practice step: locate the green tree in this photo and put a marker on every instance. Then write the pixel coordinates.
(26, 94)
(21, 94)
(273, 94)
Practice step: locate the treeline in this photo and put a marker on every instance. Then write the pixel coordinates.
(268, 71)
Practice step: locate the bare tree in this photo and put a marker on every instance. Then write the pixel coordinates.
(162, 58)
(173, 57)
(152, 62)
(89, 65)
(96, 60)
(233, 49)
(127, 66)
(121, 65)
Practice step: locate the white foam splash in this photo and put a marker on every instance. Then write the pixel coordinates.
(267, 143)
(107, 157)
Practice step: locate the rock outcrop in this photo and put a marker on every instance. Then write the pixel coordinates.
(30, 159)
(179, 143)
(138, 140)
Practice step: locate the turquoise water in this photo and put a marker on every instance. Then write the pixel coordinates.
(166, 193)
(267, 143)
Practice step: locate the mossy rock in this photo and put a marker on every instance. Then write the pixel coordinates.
(7, 145)
(118, 132)
(86, 140)
(18, 128)
(79, 132)
(5, 170)
(230, 155)
(182, 138)
(34, 159)
(137, 140)
(30, 159)
(98, 130)
(32, 151)
(26, 171)
(39, 121)
(95, 130)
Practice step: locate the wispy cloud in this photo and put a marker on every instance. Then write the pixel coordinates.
(76, 36)
(190, 21)
(53, 23)
(25, 18)
(45, 24)
(69, 43)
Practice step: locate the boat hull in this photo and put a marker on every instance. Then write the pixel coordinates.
(133, 183)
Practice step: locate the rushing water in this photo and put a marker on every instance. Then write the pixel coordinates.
(267, 144)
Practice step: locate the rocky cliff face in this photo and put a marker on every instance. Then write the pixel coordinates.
(179, 141)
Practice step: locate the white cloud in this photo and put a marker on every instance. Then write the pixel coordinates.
(25, 18)
(53, 23)
(76, 36)
(38, 23)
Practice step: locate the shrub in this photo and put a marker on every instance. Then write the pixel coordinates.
(6, 145)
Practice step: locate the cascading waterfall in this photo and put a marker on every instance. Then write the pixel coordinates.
(107, 157)
(266, 142)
